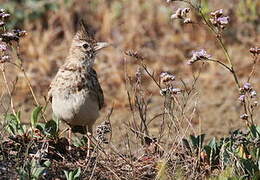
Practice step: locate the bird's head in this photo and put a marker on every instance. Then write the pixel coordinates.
(84, 47)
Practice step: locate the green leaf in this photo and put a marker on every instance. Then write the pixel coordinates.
(47, 163)
(37, 172)
(185, 142)
(40, 126)
(51, 128)
(66, 174)
(76, 173)
(35, 115)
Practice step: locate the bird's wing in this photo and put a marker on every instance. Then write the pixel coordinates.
(63, 75)
(95, 88)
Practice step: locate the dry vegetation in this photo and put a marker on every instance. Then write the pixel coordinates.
(146, 129)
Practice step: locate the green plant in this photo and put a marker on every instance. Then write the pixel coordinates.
(33, 169)
(72, 175)
(35, 116)
(14, 125)
(50, 128)
(28, 10)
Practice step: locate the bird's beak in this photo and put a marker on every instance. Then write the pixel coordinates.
(101, 45)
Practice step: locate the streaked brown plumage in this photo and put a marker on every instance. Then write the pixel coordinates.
(75, 91)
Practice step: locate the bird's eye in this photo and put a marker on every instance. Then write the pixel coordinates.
(85, 46)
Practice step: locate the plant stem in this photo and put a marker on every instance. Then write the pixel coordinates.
(229, 60)
(8, 89)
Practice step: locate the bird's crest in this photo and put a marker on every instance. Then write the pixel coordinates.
(83, 34)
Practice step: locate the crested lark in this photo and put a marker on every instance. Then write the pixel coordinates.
(75, 92)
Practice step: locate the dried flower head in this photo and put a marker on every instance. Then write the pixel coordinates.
(3, 47)
(242, 98)
(166, 77)
(181, 13)
(102, 130)
(244, 117)
(4, 16)
(217, 13)
(19, 33)
(199, 55)
(218, 20)
(253, 94)
(255, 50)
(134, 54)
(255, 103)
(9, 36)
(171, 91)
(247, 86)
(2, 23)
(4, 58)
(187, 21)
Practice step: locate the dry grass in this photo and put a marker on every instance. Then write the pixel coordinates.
(144, 26)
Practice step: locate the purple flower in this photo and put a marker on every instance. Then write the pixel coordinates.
(3, 47)
(247, 86)
(199, 55)
(223, 20)
(218, 20)
(242, 98)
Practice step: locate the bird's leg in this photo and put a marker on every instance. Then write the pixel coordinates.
(69, 136)
(89, 135)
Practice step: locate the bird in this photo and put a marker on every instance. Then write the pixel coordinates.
(75, 93)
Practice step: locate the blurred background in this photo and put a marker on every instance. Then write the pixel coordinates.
(144, 26)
